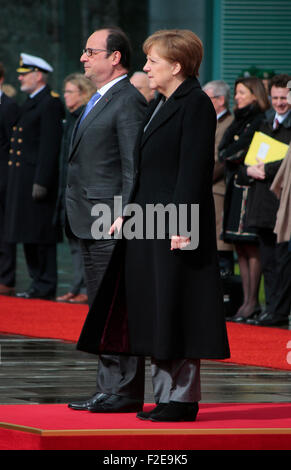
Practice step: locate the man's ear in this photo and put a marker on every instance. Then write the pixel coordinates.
(116, 57)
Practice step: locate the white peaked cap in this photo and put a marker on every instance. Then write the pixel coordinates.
(29, 62)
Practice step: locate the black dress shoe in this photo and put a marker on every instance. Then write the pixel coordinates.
(176, 411)
(270, 319)
(116, 404)
(84, 405)
(33, 294)
(146, 415)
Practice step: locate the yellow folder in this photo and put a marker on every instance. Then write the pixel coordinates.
(266, 149)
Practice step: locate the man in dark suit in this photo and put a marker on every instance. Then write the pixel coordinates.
(101, 166)
(33, 177)
(8, 114)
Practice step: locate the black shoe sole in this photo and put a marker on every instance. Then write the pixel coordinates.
(178, 420)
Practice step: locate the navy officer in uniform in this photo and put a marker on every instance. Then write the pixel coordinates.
(8, 115)
(33, 177)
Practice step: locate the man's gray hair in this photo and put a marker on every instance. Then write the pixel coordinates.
(219, 88)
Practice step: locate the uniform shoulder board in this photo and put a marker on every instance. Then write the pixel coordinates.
(54, 94)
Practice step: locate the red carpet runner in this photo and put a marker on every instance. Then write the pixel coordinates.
(218, 426)
(250, 345)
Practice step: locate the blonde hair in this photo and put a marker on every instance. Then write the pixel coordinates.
(85, 86)
(178, 45)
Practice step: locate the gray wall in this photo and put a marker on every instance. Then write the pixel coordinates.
(195, 15)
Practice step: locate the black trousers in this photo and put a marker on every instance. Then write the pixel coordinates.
(7, 264)
(281, 306)
(7, 250)
(78, 284)
(269, 262)
(117, 375)
(41, 262)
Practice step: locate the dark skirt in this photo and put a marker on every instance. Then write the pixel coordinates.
(235, 227)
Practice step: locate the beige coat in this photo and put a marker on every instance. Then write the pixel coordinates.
(282, 188)
(218, 181)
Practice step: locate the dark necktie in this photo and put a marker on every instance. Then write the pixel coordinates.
(276, 124)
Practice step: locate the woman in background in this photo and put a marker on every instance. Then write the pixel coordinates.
(251, 103)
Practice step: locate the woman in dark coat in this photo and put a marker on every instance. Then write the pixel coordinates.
(251, 103)
(263, 204)
(173, 294)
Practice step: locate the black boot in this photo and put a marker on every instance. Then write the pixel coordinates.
(176, 411)
(146, 415)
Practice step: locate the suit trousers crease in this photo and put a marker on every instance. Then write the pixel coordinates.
(117, 375)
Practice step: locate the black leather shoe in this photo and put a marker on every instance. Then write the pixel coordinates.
(116, 404)
(146, 415)
(33, 294)
(176, 411)
(270, 319)
(84, 405)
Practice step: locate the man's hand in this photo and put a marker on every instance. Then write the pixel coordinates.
(38, 192)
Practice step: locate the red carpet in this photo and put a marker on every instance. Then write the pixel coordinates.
(218, 426)
(250, 345)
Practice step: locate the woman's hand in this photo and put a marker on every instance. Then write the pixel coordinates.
(178, 242)
(257, 171)
(117, 224)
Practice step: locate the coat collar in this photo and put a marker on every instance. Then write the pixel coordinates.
(224, 116)
(270, 116)
(169, 108)
(100, 105)
(31, 102)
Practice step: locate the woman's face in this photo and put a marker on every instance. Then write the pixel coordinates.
(73, 97)
(243, 96)
(161, 73)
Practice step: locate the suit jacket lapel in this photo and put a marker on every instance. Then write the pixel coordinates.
(170, 107)
(165, 112)
(80, 128)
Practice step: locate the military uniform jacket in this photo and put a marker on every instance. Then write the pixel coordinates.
(8, 115)
(33, 158)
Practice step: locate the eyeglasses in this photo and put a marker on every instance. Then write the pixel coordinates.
(70, 91)
(88, 51)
